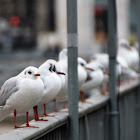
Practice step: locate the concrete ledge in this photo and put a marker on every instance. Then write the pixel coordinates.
(34, 133)
(61, 118)
(128, 87)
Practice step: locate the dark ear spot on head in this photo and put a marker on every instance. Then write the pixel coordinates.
(102, 68)
(50, 69)
(82, 64)
(54, 68)
(25, 72)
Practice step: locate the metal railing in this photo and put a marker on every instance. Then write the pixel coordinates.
(93, 120)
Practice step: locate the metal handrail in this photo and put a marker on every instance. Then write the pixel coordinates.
(98, 102)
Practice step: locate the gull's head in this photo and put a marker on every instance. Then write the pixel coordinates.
(103, 69)
(49, 67)
(55, 67)
(63, 54)
(46, 68)
(30, 72)
(125, 44)
(81, 62)
(96, 66)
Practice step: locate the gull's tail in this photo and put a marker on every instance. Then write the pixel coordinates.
(3, 113)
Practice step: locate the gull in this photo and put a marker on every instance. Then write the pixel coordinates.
(103, 59)
(82, 75)
(20, 93)
(130, 54)
(57, 69)
(63, 65)
(95, 77)
(52, 85)
(124, 72)
(128, 74)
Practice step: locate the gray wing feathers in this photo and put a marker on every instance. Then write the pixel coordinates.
(8, 88)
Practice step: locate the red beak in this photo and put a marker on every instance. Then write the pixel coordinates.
(61, 73)
(106, 73)
(89, 69)
(37, 75)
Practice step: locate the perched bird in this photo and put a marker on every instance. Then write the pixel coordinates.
(20, 93)
(129, 54)
(52, 85)
(128, 74)
(82, 75)
(95, 77)
(57, 69)
(122, 62)
(63, 65)
(103, 60)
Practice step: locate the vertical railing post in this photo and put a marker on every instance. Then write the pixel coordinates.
(112, 50)
(137, 11)
(72, 42)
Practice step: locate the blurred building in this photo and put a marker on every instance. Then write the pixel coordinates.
(43, 25)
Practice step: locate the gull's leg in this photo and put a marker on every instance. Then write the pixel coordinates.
(27, 124)
(15, 126)
(36, 114)
(55, 110)
(83, 99)
(45, 114)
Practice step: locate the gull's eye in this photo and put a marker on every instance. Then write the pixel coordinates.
(30, 72)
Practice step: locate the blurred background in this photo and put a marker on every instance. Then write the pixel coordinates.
(42, 32)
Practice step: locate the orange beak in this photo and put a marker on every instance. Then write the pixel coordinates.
(106, 73)
(37, 75)
(89, 69)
